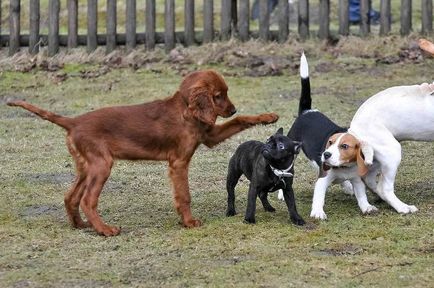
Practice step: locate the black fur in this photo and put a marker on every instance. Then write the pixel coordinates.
(253, 159)
(311, 127)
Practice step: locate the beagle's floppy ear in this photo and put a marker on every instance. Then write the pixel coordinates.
(323, 170)
(200, 104)
(362, 168)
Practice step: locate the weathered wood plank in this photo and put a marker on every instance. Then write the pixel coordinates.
(244, 20)
(53, 27)
(111, 22)
(130, 24)
(34, 26)
(324, 19)
(208, 21)
(303, 18)
(169, 31)
(427, 16)
(226, 15)
(264, 20)
(283, 10)
(14, 26)
(72, 23)
(92, 25)
(365, 23)
(344, 22)
(150, 24)
(385, 17)
(406, 17)
(189, 22)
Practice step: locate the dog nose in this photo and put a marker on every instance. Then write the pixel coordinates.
(327, 155)
(233, 111)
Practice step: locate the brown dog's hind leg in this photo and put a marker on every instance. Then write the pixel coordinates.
(178, 172)
(73, 196)
(97, 173)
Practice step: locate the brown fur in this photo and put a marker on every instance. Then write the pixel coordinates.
(169, 130)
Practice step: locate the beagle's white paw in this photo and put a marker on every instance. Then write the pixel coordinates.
(370, 209)
(406, 209)
(318, 214)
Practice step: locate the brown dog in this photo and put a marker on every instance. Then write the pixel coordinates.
(169, 129)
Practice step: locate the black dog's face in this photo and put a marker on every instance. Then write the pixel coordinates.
(280, 148)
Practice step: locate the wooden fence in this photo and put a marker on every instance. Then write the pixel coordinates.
(234, 19)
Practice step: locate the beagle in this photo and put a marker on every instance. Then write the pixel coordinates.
(384, 120)
(338, 155)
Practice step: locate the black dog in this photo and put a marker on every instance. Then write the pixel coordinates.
(269, 167)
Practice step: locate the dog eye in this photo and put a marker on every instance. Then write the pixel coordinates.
(344, 146)
(218, 97)
(281, 146)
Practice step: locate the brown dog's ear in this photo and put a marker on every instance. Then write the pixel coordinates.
(201, 106)
(362, 168)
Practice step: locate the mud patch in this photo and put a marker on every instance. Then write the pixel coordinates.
(84, 283)
(42, 210)
(346, 250)
(48, 178)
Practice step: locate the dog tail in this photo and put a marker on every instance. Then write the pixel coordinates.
(64, 122)
(305, 98)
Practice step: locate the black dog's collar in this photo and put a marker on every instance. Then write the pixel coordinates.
(283, 173)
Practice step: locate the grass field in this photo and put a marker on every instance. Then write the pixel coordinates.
(38, 247)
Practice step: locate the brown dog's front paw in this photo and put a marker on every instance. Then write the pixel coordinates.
(268, 118)
(110, 231)
(192, 223)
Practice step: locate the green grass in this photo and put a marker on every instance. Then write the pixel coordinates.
(38, 247)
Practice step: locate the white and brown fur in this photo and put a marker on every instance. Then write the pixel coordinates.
(340, 157)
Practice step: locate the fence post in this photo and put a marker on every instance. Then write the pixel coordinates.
(365, 7)
(53, 27)
(264, 20)
(72, 23)
(244, 20)
(385, 17)
(283, 20)
(427, 12)
(324, 19)
(14, 27)
(208, 21)
(130, 23)
(303, 18)
(34, 27)
(169, 30)
(0, 24)
(405, 17)
(189, 22)
(150, 24)
(111, 22)
(344, 22)
(234, 17)
(92, 22)
(226, 19)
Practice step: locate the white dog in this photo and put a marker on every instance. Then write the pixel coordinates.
(387, 118)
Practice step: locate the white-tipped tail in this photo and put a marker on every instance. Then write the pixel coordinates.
(304, 67)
